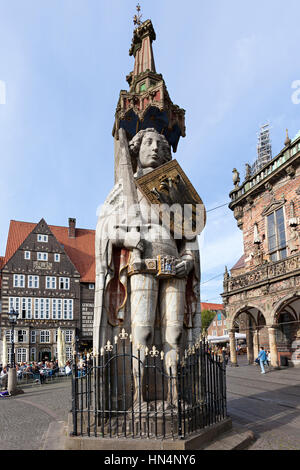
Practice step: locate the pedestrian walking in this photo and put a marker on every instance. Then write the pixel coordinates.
(269, 358)
(262, 357)
(224, 355)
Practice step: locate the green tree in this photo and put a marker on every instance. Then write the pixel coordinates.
(207, 316)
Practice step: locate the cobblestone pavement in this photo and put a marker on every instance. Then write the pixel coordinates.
(267, 404)
(24, 419)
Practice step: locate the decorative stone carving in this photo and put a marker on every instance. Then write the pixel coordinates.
(265, 289)
(290, 171)
(250, 200)
(235, 178)
(294, 240)
(292, 220)
(264, 273)
(268, 187)
(258, 254)
(256, 237)
(226, 279)
(287, 141)
(274, 205)
(248, 171)
(238, 215)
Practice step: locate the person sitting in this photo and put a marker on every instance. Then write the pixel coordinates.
(35, 368)
(19, 372)
(68, 369)
(4, 378)
(28, 368)
(43, 375)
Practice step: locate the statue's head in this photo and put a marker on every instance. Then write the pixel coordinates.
(150, 149)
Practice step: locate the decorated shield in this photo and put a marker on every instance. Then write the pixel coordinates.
(174, 198)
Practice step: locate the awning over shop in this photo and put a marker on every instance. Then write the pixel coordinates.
(225, 338)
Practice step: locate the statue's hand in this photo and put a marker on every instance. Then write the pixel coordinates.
(184, 267)
(133, 240)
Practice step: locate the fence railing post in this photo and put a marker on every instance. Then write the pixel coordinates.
(179, 417)
(74, 395)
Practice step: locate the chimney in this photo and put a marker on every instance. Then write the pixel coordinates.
(72, 228)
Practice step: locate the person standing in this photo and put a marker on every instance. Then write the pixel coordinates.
(224, 355)
(262, 357)
(269, 358)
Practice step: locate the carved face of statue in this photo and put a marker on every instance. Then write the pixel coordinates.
(152, 151)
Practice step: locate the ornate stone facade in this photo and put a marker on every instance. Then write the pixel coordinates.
(265, 283)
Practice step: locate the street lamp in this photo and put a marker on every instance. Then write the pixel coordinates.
(12, 318)
(12, 373)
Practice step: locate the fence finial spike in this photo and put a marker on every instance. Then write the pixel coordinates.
(154, 352)
(108, 346)
(102, 351)
(146, 351)
(162, 355)
(116, 339)
(123, 334)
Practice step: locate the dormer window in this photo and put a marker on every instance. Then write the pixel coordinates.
(57, 257)
(42, 238)
(26, 254)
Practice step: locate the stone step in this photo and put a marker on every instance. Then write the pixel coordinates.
(236, 439)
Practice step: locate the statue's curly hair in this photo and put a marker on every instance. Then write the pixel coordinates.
(136, 141)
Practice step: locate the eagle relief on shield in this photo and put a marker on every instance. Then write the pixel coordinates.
(168, 187)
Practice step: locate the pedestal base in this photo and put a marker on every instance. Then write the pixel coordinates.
(194, 441)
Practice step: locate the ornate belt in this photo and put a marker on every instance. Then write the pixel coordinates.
(162, 266)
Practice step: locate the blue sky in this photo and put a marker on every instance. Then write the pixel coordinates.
(230, 65)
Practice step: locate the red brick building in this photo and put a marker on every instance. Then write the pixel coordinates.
(218, 325)
(263, 287)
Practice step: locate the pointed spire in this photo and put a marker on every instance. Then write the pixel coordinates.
(147, 103)
(141, 49)
(287, 140)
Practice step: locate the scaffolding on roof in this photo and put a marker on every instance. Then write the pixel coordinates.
(264, 148)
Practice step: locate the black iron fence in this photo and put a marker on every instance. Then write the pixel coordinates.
(117, 394)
